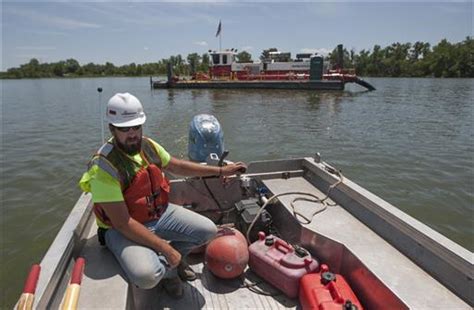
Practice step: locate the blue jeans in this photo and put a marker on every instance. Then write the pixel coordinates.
(144, 267)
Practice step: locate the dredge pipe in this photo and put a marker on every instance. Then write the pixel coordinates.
(365, 84)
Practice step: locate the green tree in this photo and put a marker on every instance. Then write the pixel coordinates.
(109, 69)
(347, 59)
(71, 66)
(205, 62)
(466, 57)
(442, 61)
(375, 67)
(31, 69)
(194, 60)
(59, 69)
(265, 56)
(244, 56)
(362, 62)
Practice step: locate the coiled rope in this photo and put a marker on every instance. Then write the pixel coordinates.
(297, 214)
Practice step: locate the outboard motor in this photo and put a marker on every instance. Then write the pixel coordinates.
(205, 137)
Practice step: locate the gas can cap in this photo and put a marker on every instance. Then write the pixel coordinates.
(269, 241)
(300, 251)
(349, 306)
(327, 277)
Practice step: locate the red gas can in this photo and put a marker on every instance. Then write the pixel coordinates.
(279, 264)
(327, 291)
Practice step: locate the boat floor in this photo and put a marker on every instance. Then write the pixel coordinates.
(210, 292)
(104, 285)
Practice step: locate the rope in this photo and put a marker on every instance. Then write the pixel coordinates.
(316, 200)
(252, 286)
(295, 213)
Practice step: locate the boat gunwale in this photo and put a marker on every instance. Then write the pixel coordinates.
(58, 256)
(433, 252)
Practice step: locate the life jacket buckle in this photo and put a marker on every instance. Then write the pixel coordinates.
(152, 209)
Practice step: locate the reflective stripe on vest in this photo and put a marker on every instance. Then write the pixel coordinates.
(105, 165)
(105, 149)
(151, 153)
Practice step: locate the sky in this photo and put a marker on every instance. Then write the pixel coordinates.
(142, 32)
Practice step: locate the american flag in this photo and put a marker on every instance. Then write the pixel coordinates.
(219, 28)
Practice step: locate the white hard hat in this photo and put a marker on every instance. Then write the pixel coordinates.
(125, 110)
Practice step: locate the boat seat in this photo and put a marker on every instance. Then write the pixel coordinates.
(104, 284)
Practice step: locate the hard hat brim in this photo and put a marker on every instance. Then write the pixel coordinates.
(134, 122)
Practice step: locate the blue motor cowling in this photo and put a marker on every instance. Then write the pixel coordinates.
(205, 137)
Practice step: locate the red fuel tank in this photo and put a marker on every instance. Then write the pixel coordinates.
(327, 291)
(280, 264)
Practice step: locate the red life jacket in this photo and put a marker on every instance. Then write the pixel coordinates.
(147, 196)
(146, 191)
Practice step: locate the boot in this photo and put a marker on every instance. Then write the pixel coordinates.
(174, 287)
(185, 272)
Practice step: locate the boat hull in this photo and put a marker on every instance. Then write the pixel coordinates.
(301, 85)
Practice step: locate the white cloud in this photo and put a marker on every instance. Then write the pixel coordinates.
(146, 48)
(148, 13)
(30, 56)
(47, 33)
(63, 23)
(36, 48)
(201, 43)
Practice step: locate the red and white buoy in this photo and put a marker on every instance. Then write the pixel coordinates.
(227, 254)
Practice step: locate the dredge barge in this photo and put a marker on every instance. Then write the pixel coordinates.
(276, 71)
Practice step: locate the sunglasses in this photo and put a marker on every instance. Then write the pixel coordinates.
(127, 129)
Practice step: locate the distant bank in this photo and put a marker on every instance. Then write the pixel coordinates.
(418, 59)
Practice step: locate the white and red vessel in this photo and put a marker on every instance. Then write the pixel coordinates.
(275, 70)
(275, 66)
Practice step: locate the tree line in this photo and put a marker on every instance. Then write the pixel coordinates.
(72, 68)
(412, 60)
(396, 60)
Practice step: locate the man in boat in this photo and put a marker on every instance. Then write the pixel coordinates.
(148, 235)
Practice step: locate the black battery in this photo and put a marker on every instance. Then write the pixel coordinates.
(247, 210)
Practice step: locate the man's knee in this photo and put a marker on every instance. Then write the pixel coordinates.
(208, 230)
(148, 278)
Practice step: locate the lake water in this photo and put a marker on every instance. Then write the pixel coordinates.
(410, 142)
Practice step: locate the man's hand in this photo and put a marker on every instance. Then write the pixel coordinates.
(230, 169)
(135, 231)
(172, 256)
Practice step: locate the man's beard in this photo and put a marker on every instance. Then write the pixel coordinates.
(130, 149)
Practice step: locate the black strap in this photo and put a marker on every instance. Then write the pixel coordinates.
(101, 235)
